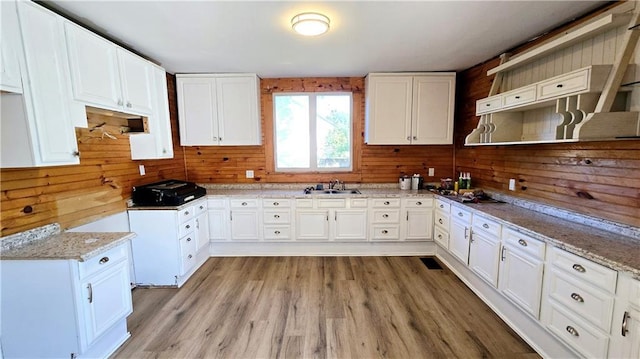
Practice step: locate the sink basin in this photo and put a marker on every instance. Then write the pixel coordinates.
(340, 191)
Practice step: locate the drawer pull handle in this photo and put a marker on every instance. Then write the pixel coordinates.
(572, 331)
(190, 256)
(440, 221)
(103, 260)
(386, 203)
(465, 232)
(502, 256)
(522, 242)
(277, 232)
(559, 86)
(276, 203)
(187, 226)
(186, 213)
(488, 105)
(189, 239)
(90, 288)
(517, 97)
(276, 216)
(442, 206)
(578, 268)
(577, 297)
(244, 203)
(408, 138)
(201, 207)
(485, 225)
(418, 203)
(440, 236)
(625, 321)
(384, 231)
(385, 216)
(460, 214)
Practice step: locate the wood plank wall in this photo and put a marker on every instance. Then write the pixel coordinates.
(372, 164)
(595, 178)
(98, 187)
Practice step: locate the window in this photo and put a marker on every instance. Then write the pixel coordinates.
(312, 131)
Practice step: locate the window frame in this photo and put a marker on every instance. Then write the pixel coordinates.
(313, 134)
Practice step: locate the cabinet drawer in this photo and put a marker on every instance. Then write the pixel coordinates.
(244, 203)
(186, 227)
(443, 206)
(590, 303)
(386, 216)
(568, 84)
(441, 237)
(385, 232)
(584, 269)
(276, 217)
(481, 223)
(524, 243)
(442, 220)
(519, 97)
(584, 338)
(199, 208)
(304, 203)
(185, 214)
(216, 203)
(103, 260)
(187, 253)
(488, 104)
(460, 215)
(277, 232)
(358, 203)
(385, 202)
(418, 202)
(276, 203)
(332, 203)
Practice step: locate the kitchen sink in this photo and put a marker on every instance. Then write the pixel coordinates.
(340, 191)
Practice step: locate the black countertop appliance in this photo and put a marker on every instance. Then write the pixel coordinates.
(166, 193)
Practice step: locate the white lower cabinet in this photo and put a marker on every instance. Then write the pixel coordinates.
(418, 218)
(312, 224)
(484, 248)
(66, 308)
(328, 219)
(245, 217)
(350, 225)
(167, 251)
(459, 233)
(384, 216)
(625, 328)
(521, 270)
(277, 218)
(218, 217)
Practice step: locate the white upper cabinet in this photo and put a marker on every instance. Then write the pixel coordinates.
(10, 48)
(219, 109)
(405, 109)
(38, 126)
(107, 76)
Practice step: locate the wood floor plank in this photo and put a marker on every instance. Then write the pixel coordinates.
(317, 307)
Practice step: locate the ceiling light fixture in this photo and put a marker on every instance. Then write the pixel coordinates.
(310, 24)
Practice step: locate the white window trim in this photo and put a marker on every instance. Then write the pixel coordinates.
(312, 134)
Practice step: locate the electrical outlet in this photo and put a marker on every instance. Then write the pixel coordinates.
(512, 184)
(142, 171)
(432, 172)
(249, 173)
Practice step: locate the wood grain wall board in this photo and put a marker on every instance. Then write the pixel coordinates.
(97, 187)
(372, 164)
(553, 174)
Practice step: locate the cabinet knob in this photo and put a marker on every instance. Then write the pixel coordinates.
(129, 104)
(517, 97)
(386, 203)
(384, 231)
(408, 138)
(522, 242)
(484, 225)
(76, 153)
(440, 221)
(276, 203)
(187, 226)
(215, 138)
(276, 216)
(201, 207)
(164, 150)
(190, 256)
(460, 214)
(220, 139)
(572, 331)
(418, 203)
(244, 203)
(577, 297)
(385, 216)
(189, 239)
(277, 232)
(488, 105)
(415, 137)
(103, 260)
(186, 213)
(578, 268)
(442, 206)
(559, 86)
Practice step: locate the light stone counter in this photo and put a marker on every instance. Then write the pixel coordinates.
(48, 242)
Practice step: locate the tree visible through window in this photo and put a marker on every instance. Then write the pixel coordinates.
(313, 131)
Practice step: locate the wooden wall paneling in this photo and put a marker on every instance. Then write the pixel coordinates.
(99, 186)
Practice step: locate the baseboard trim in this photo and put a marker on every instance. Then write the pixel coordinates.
(253, 249)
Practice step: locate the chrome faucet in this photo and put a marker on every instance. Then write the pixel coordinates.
(335, 182)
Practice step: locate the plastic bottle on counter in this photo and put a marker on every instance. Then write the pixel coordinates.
(461, 184)
(468, 181)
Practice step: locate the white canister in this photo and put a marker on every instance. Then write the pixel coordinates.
(405, 182)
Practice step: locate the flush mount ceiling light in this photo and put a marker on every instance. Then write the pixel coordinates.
(310, 24)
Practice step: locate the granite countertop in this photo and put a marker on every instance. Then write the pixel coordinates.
(612, 250)
(47, 243)
(299, 193)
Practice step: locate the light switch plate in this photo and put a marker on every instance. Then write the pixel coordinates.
(432, 172)
(142, 171)
(512, 184)
(249, 173)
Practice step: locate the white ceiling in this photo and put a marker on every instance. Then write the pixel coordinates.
(365, 36)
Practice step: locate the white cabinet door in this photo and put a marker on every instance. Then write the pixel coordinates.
(350, 225)
(108, 299)
(49, 110)
(94, 68)
(245, 224)
(218, 224)
(520, 279)
(459, 241)
(433, 105)
(10, 48)
(202, 231)
(419, 224)
(197, 111)
(388, 118)
(312, 224)
(484, 257)
(137, 83)
(238, 114)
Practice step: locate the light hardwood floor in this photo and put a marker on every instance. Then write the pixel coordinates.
(317, 307)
